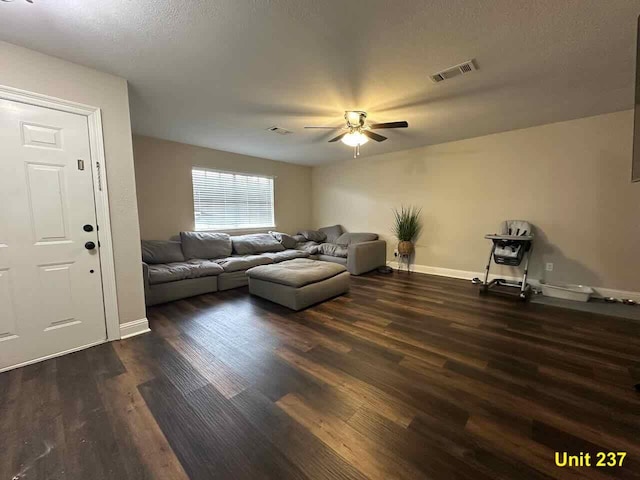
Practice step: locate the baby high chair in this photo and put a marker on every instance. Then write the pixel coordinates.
(509, 247)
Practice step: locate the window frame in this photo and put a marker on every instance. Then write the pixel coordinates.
(235, 229)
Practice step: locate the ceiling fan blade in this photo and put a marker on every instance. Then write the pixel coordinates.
(339, 137)
(328, 128)
(374, 136)
(402, 124)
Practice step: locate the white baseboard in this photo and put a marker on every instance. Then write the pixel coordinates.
(136, 327)
(609, 292)
(449, 272)
(468, 275)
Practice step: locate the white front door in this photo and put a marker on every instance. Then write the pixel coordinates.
(50, 282)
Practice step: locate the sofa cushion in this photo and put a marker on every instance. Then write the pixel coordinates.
(203, 268)
(310, 247)
(333, 250)
(332, 232)
(229, 280)
(168, 272)
(313, 235)
(351, 238)
(296, 273)
(205, 245)
(332, 259)
(255, 243)
(299, 238)
(161, 251)
(286, 240)
(241, 263)
(278, 257)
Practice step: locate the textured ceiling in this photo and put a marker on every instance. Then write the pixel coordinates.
(218, 73)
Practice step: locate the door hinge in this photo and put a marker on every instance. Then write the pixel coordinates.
(99, 176)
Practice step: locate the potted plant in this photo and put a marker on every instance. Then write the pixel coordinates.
(406, 228)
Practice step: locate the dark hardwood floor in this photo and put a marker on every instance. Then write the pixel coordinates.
(405, 377)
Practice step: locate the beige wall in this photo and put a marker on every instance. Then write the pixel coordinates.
(570, 179)
(35, 72)
(165, 195)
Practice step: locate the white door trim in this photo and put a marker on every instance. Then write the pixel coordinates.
(101, 194)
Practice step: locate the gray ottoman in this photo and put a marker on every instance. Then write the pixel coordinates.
(298, 283)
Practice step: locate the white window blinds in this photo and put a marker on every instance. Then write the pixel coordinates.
(227, 201)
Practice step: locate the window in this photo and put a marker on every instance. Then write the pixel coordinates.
(229, 201)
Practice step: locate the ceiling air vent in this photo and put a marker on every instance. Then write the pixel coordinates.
(279, 130)
(466, 67)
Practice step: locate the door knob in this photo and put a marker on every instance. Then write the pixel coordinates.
(88, 228)
(89, 245)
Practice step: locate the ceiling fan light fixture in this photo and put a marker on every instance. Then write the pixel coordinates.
(355, 118)
(357, 132)
(355, 139)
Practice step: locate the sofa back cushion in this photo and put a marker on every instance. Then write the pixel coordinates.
(161, 251)
(299, 238)
(332, 232)
(313, 235)
(351, 238)
(205, 245)
(255, 243)
(286, 240)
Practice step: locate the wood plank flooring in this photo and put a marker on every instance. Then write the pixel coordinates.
(406, 377)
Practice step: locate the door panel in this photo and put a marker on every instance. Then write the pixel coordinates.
(7, 312)
(41, 136)
(47, 202)
(50, 284)
(56, 295)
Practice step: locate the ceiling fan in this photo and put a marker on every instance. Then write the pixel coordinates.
(359, 132)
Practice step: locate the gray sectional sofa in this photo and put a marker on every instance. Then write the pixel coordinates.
(207, 262)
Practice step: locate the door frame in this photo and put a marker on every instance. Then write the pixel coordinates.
(100, 192)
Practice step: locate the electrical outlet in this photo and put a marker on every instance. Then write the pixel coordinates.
(395, 253)
(549, 267)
